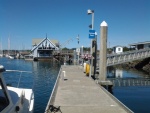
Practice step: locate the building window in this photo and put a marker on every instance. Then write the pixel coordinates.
(4, 102)
(119, 49)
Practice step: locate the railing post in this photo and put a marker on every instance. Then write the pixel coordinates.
(119, 59)
(114, 60)
(124, 58)
(129, 57)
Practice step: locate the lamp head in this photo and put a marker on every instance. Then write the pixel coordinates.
(89, 11)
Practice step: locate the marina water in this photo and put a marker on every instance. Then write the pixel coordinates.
(44, 74)
(42, 78)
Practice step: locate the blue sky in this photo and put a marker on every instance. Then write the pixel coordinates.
(22, 20)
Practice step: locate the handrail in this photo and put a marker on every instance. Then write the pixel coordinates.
(114, 59)
(130, 81)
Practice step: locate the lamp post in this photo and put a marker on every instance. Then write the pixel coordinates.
(89, 11)
(82, 54)
(78, 49)
(94, 49)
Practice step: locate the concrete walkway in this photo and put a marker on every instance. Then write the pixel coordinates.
(77, 93)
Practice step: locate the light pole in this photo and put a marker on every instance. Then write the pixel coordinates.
(78, 49)
(94, 49)
(82, 54)
(89, 11)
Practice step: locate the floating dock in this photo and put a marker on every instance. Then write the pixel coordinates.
(74, 92)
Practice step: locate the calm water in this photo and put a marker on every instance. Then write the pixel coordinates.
(45, 73)
(41, 80)
(136, 96)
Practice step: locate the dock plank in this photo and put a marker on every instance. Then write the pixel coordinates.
(77, 93)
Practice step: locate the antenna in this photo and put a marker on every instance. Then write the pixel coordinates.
(78, 38)
(46, 35)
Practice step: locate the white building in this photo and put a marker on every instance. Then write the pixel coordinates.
(117, 49)
(43, 48)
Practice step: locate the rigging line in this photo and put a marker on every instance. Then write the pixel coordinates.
(19, 80)
(18, 71)
(21, 74)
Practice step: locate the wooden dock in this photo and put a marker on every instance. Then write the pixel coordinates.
(77, 93)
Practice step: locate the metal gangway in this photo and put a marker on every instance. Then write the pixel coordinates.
(114, 59)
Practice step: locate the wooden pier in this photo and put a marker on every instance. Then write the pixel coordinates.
(74, 92)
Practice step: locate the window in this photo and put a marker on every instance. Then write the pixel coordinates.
(4, 102)
(119, 49)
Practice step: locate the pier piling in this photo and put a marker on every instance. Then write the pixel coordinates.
(103, 51)
(103, 56)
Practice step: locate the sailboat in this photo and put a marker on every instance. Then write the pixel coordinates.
(15, 100)
(11, 57)
(8, 55)
(1, 50)
(1, 55)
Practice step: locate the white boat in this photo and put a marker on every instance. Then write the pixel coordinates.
(1, 55)
(15, 100)
(8, 54)
(11, 57)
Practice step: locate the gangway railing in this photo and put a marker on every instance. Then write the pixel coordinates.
(114, 59)
(130, 81)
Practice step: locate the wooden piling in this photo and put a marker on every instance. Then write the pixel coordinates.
(103, 51)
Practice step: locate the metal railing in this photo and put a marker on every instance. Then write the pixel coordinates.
(114, 59)
(130, 81)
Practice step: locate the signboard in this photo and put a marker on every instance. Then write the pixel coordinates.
(91, 34)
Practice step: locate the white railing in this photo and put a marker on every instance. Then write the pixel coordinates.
(114, 59)
(130, 81)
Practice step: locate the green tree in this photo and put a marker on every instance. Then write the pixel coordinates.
(86, 49)
(125, 49)
(65, 48)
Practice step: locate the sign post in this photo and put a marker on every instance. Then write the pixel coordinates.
(91, 36)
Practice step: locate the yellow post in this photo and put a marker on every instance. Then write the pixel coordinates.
(87, 69)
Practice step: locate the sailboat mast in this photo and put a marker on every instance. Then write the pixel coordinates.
(1, 49)
(8, 45)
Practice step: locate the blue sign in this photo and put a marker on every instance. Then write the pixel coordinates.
(91, 34)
